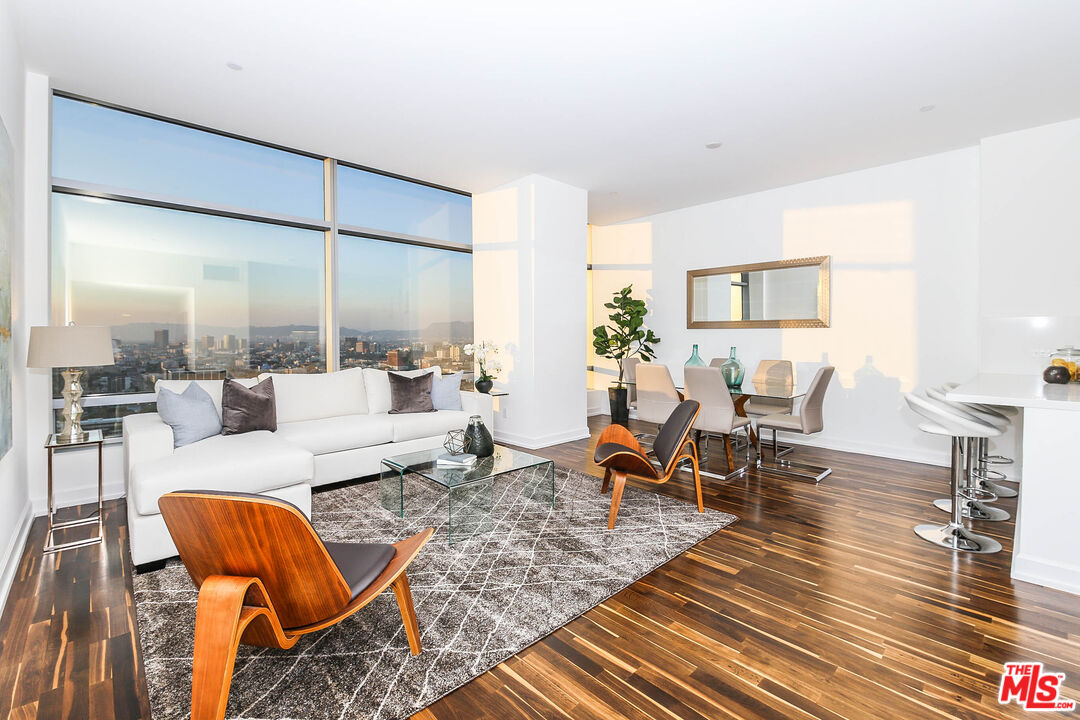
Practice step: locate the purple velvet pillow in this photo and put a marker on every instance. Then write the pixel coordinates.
(247, 409)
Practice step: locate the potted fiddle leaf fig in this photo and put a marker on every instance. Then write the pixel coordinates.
(623, 338)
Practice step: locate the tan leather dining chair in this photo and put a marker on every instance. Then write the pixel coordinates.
(717, 416)
(657, 396)
(807, 421)
(771, 373)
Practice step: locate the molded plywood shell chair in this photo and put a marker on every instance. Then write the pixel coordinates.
(266, 578)
(620, 454)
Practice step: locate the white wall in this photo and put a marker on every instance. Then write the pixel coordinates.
(903, 239)
(529, 256)
(14, 502)
(1030, 236)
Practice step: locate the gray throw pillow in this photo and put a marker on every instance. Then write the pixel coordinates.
(410, 394)
(247, 409)
(191, 414)
(446, 391)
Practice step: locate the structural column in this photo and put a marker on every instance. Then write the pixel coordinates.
(529, 296)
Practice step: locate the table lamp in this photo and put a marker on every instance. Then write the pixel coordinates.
(70, 346)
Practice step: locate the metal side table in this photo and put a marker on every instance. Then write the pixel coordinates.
(54, 443)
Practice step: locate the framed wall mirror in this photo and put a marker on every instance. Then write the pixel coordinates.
(781, 294)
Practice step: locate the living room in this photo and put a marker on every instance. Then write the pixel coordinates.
(475, 360)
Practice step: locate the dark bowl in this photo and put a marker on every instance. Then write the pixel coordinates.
(1057, 374)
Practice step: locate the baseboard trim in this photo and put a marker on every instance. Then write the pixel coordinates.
(13, 552)
(1054, 575)
(76, 496)
(535, 443)
(917, 455)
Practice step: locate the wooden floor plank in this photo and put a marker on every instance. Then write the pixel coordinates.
(819, 603)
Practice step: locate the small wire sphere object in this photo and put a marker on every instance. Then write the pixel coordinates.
(457, 442)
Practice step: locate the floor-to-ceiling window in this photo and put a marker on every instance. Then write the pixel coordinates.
(214, 256)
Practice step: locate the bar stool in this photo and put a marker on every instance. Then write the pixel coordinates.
(979, 459)
(1005, 412)
(943, 421)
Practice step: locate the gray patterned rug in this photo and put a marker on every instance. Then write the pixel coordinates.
(478, 601)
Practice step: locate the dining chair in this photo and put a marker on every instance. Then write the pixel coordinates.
(717, 416)
(630, 376)
(807, 421)
(771, 373)
(265, 578)
(621, 455)
(656, 393)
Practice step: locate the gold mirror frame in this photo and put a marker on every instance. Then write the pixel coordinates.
(821, 321)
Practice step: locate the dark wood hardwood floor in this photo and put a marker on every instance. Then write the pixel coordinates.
(819, 602)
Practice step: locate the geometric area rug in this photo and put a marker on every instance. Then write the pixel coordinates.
(478, 602)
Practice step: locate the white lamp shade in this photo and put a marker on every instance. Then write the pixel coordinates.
(70, 346)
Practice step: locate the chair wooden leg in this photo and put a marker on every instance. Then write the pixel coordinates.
(607, 481)
(728, 453)
(408, 612)
(616, 498)
(217, 636)
(697, 478)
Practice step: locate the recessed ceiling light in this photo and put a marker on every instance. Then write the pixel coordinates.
(927, 108)
(234, 66)
(713, 145)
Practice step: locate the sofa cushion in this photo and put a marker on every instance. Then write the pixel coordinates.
(252, 462)
(307, 396)
(191, 414)
(212, 387)
(377, 383)
(338, 433)
(410, 394)
(246, 410)
(446, 391)
(422, 425)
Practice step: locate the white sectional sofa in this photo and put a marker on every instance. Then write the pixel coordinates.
(331, 427)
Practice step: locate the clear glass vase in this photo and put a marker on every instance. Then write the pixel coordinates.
(733, 370)
(695, 360)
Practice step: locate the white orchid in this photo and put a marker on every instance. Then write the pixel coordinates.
(480, 351)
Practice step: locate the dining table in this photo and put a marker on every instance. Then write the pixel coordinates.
(740, 395)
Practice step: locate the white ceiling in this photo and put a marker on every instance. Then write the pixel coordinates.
(618, 97)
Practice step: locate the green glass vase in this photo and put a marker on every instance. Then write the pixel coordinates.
(733, 370)
(695, 360)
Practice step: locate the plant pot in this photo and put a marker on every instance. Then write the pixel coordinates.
(620, 412)
(483, 386)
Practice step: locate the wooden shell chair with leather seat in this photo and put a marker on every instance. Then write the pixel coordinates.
(266, 578)
(620, 454)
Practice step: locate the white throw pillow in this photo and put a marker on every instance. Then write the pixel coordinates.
(378, 386)
(311, 396)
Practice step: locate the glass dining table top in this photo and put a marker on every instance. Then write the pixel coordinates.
(776, 391)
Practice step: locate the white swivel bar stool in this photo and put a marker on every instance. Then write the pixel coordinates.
(943, 421)
(975, 474)
(1008, 413)
(978, 459)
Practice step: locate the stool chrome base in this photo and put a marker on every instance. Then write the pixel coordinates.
(1000, 490)
(957, 537)
(974, 510)
(988, 474)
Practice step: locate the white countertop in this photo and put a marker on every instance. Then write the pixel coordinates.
(1018, 391)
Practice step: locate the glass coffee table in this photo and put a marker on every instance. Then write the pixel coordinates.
(470, 492)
